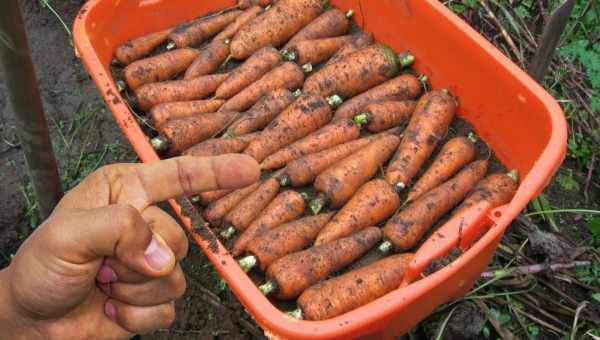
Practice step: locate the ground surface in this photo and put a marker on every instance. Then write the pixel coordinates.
(86, 137)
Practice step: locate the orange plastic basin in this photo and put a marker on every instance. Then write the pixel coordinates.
(520, 121)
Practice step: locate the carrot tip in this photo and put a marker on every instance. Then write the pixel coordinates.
(284, 180)
(349, 14)
(334, 101)
(400, 186)
(268, 287)
(228, 232)
(247, 263)
(297, 93)
(143, 121)
(407, 60)
(385, 247)
(362, 118)
(121, 86)
(296, 314)
(160, 143)
(318, 203)
(514, 174)
(307, 68)
(170, 46)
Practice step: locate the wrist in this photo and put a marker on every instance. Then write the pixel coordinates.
(13, 325)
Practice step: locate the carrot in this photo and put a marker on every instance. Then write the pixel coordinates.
(250, 71)
(332, 23)
(403, 87)
(385, 115)
(261, 113)
(282, 240)
(338, 183)
(209, 59)
(164, 112)
(286, 207)
(362, 39)
(404, 230)
(429, 123)
(138, 48)
(220, 146)
(243, 19)
(303, 171)
(215, 211)
(372, 203)
(200, 30)
(247, 210)
(290, 275)
(153, 94)
(287, 75)
(158, 68)
(455, 154)
(328, 136)
(243, 4)
(207, 197)
(275, 26)
(314, 52)
(307, 114)
(498, 189)
(357, 72)
(351, 290)
(180, 134)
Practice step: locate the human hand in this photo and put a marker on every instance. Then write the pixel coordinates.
(104, 264)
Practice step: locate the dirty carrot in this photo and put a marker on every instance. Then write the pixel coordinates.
(307, 114)
(164, 112)
(357, 72)
(372, 203)
(199, 30)
(338, 183)
(402, 87)
(138, 48)
(243, 19)
(261, 113)
(243, 4)
(330, 135)
(246, 211)
(287, 206)
(282, 240)
(180, 134)
(332, 23)
(153, 94)
(250, 71)
(498, 189)
(362, 39)
(158, 68)
(455, 154)
(314, 52)
(207, 197)
(290, 275)
(287, 75)
(216, 210)
(209, 59)
(351, 290)
(275, 26)
(428, 125)
(405, 229)
(385, 115)
(303, 171)
(220, 146)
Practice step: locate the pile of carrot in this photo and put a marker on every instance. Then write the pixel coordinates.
(356, 155)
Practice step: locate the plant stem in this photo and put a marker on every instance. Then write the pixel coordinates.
(248, 262)
(318, 203)
(268, 287)
(581, 211)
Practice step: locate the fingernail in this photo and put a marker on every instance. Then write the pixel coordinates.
(106, 274)
(235, 171)
(156, 255)
(110, 310)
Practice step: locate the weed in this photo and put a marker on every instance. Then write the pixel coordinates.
(589, 275)
(566, 181)
(46, 4)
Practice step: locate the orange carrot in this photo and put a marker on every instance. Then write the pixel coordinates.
(455, 154)
(220, 146)
(164, 112)
(242, 20)
(243, 4)
(404, 230)
(307, 114)
(373, 203)
(209, 59)
(207, 197)
(329, 24)
(339, 182)
(153, 94)
(275, 26)
(351, 290)
(158, 68)
(290, 275)
(328, 136)
(357, 72)
(282, 240)
(138, 48)
(286, 207)
(403, 87)
(287, 75)
(262, 113)
(180, 134)
(316, 51)
(498, 189)
(197, 31)
(385, 115)
(215, 211)
(362, 39)
(250, 71)
(428, 125)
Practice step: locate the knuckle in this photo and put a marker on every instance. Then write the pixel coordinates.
(128, 215)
